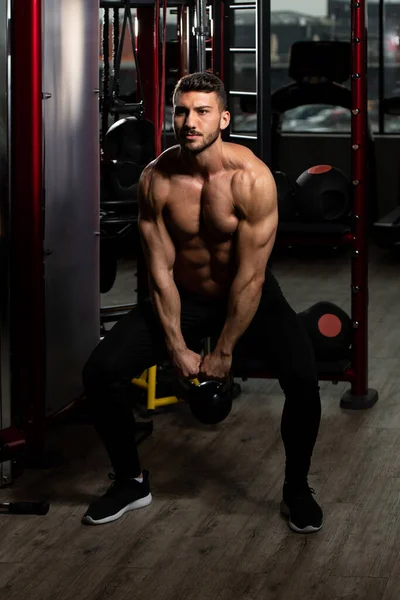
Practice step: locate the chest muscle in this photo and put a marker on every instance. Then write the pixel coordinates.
(201, 211)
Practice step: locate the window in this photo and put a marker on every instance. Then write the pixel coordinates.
(315, 21)
(388, 61)
(243, 30)
(243, 115)
(391, 62)
(317, 118)
(243, 74)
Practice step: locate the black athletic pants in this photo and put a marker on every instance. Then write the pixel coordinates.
(136, 342)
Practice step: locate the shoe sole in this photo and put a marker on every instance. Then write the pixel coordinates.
(141, 503)
(285, 512)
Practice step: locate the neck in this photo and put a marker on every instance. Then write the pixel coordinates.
(205, 163)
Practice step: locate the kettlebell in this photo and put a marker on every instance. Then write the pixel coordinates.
(210, 402)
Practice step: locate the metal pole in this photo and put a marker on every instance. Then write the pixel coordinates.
(263, 49)
(183, 41)
(222, 12)
(5, 202)
(28, 325)
(360, 396)
(148, 58)
(381, 92)
(201, 32)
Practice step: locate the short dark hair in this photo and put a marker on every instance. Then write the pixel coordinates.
(202, 82)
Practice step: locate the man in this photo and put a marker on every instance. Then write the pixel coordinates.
(208, 219)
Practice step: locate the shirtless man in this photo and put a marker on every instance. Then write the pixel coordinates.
(208, 219)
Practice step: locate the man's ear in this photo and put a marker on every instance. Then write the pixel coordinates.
(225, 119)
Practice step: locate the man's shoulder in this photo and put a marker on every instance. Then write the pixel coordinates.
(161, 167)
(167, 157)
(167, 162)
(246, 165)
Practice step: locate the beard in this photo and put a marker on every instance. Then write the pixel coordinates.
(207, 141)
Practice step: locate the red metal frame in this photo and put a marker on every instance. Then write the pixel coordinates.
(359, 274)
(27, 264)
(148, 56)
(12, 443)
(163, 76)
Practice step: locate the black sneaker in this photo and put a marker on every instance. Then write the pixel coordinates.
(302, 511)
(121, 496)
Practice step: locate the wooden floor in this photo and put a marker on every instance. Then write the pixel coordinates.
(213, 531)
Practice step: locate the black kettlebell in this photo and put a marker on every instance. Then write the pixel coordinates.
(210, 402)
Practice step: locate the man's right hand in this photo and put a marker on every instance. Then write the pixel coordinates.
(186, 363)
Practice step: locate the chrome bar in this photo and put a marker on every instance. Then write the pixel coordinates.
(243, 50)
(243, 6)
(238, 93)
(243, 137)
(201, 32)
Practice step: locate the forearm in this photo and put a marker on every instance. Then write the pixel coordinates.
(167, 304)
(243, 302)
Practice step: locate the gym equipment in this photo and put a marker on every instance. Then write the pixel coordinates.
(210, 402)
(319, 70)
(209, 406)
(130, 139)
(108, 265)
(148, 382)
(286, 196)
(323, 194)
(117, 104)
(128, 146)
(330, 330)
(24, 508)
(120, 179)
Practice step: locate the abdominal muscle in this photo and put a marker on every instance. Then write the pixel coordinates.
(204, 271)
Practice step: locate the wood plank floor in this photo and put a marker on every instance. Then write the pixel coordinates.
(213, 531)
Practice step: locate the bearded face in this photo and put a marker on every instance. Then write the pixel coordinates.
(198, 120)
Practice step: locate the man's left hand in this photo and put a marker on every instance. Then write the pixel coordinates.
(216, 366)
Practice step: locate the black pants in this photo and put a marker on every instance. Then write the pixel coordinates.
(136, 342)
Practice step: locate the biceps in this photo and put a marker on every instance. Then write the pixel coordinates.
(158, 247)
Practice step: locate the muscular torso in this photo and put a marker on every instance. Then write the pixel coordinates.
(201, 221)
(202, 218)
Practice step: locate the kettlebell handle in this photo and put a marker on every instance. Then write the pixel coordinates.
(187, 384)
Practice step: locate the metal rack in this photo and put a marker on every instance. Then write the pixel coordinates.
(261, 140)
(359, 396)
